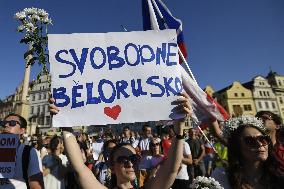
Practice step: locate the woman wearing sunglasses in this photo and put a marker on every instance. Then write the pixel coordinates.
(124, 160)
(249, 155)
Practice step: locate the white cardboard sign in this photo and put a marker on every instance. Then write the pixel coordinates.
(110, 78)
(8, 150)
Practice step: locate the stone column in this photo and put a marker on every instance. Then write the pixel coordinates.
(23, 108)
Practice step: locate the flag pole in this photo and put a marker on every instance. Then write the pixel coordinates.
(187, 67)
(179, 51)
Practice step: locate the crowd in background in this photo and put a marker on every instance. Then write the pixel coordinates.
(252, 156)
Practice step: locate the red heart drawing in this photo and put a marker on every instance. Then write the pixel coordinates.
(112, 112)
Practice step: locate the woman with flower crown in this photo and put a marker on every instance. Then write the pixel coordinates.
(123, 159)
(249, 155)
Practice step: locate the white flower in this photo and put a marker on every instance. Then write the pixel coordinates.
(30, 11)
(20, 28)
(20, 15)
(233, 123)
(201, 182)
(47, 20)
(35, 17)
(42, 13)
(30, 27)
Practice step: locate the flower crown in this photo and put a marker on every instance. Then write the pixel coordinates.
(201, 182)
(233, 123)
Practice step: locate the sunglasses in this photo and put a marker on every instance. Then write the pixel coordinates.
(266, 117)
(11, 123)
(134, 159)
(256, 142)
(154, 144)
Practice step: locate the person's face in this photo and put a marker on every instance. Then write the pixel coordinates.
(155, 146)
(147, 131)
(126, 132)
(125, 164)
(13, 126)
(171, 132)
(84, 137)
(268, 122)
(254, 145)
(192, 133)
(61, 146)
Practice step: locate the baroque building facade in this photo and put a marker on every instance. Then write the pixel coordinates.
(236, 99)
(39, 116)
(277, 84)
(263, 95)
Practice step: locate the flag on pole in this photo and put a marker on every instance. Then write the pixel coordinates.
(156, 16)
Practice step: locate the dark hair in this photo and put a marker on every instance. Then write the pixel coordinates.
(276, 118)
(126, 127)
(145, 126)
(23, 122)
(236, 161)
(54, 143)
(105, 145)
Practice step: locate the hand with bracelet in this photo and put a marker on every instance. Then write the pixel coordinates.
(183, 107)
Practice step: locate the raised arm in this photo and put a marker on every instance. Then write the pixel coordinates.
(85, 176)
(168, 170)
(218, 132)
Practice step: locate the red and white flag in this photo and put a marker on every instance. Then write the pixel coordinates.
(156, 16)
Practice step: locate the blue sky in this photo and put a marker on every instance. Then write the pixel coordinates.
(226, 40)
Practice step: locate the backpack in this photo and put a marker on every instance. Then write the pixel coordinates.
(25, 164)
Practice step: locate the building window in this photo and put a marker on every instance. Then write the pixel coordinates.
(39, 96)
(236, 94)
(47, 120)
(44, 96)
(43, 109)
(280, 100)
(237, 110)
(266, 105)
(260, 105)
(32, 109)
(247, 107)
(243, 94)
(264, 93)
(267, 93)
(273, 105)
(38, 109)
(279, 82)
(260, 92)
(33, 97)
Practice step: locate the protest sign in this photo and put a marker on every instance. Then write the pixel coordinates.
(111, 78)
(8, 149)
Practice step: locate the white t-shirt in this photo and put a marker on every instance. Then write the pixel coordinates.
(51, 180)
(97, 149)
(18, 181)
(144, 144)
(182, 174)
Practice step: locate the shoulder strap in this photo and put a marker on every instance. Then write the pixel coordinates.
(25, 164)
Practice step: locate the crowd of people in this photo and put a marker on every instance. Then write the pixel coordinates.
(244, 152)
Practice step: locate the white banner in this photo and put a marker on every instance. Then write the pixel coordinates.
(8, 150)
(111, 78)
